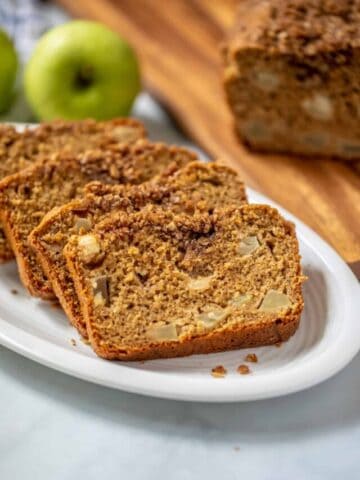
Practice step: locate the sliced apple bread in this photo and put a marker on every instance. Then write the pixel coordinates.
(153, 284)
(19, 150)
(196, 186)
(28, 195)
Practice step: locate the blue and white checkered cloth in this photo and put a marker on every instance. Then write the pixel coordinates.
(25, 21)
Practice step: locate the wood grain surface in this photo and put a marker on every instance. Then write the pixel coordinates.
(178, 45)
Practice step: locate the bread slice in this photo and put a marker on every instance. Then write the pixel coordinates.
(153, 284)
(19, 150)
(196, 186)
(27, 196)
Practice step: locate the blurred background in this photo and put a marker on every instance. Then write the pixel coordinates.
(26, 21)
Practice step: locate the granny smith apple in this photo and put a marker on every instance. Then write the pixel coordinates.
(81, 69)
(8, 68)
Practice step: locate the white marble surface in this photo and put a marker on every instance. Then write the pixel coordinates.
(56, 427)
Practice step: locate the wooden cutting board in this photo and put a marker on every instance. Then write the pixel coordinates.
(178, 44)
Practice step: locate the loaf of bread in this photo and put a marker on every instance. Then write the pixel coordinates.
(19, 150)
(27, 196)
(292, 76)
(196, 187)
(156, 284)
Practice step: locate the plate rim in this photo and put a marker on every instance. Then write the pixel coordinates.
(278, 383)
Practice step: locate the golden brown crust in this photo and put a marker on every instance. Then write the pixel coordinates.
(300, 27)
(245, 328)
(250, 336)
(27, 196)
(195, 187)
(19, 150)
(6, 252)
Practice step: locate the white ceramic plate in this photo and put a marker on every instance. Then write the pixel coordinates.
(328, 338)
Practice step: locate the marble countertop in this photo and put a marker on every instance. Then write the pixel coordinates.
(56, 427)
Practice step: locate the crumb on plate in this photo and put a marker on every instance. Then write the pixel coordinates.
(219, 371)
(251, 357)
(243, 369)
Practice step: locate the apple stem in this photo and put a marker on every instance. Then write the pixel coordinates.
(84, 77)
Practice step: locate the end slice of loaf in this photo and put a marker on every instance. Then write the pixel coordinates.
(28, 195)
(291, 76)
(19, 150)
(196, 186)
(155, 285)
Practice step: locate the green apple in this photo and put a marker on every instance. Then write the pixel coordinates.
(81, 69)
(8, 69)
